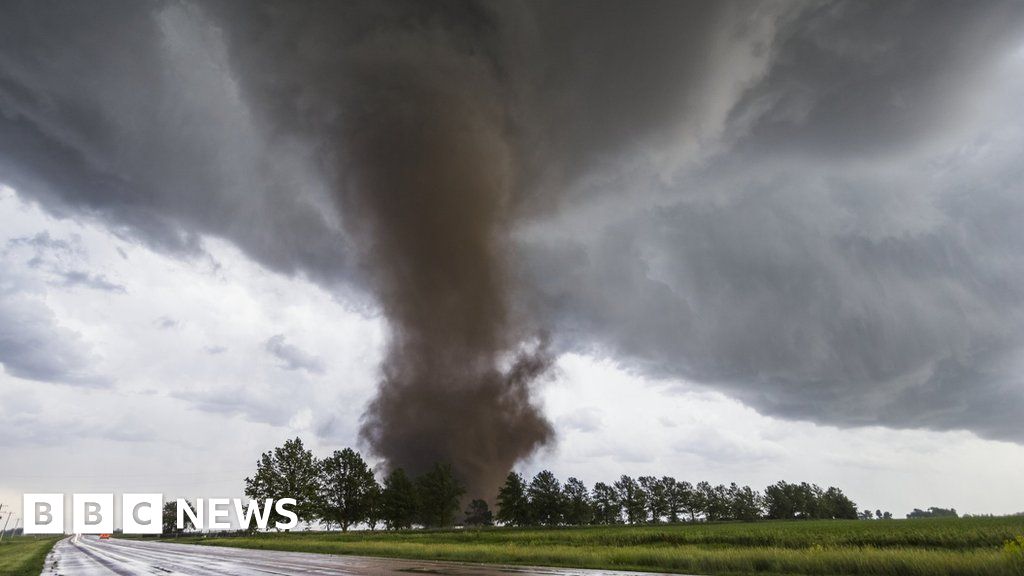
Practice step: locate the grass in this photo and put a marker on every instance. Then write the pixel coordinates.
(1013, 551)
(953, 547)
(24, 555)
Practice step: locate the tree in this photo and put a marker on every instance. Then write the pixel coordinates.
(934, 512)
(607, 506)
(374, 505)
(479, 514)
(633, 499)
(811, 497)
(346, 487)
(545, 499)
(715, 500)
(438, 492)
(513, 503)
(786, 501)
(674, 499)
(578, 509)
(399, 508)
(289, 471)
(834, 504)
(655, 496)
(682, 500)
(169, 518)
(745, 503)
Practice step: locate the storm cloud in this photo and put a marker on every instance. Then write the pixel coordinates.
(813, 208)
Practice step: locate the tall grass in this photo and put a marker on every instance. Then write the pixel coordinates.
(943, 547)
(24, 555)
(1013, 552)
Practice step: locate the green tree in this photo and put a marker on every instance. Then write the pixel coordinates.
(698, 502)
(933, 512)
(578, 509)
(655, 496)
(633, 499)
(399, 507)
(745, 503)
(169, 518)
(545, 499)
(678, 496)
(374, 505)
(607, 505)
(785, 501)
(779, 501)
(835, 504)
(479, 514)
(439, 492)
(346, 486)
(513, 503)
(288, 471)
(715, 500)
(811, 497)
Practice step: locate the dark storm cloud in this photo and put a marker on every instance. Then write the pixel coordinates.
(805, 319)
(876, 78)
(744, 195)
(827, 268)
(292, 357)
(440, 126)
(126, 112)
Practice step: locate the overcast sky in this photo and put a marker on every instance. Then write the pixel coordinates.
(772, 241)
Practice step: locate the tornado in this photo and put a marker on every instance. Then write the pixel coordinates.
(409, 107)
(441, 127)
(429, 183)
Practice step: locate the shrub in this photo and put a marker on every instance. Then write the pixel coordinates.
(1013, 550)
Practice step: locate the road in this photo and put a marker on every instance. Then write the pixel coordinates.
(90, 556)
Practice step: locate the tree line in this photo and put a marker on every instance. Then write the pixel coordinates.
(341, 490)
(933, 512)
(650, 500)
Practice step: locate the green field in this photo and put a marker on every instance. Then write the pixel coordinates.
(972, 546)
(24, 555)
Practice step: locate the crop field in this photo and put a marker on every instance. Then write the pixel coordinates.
(24, 555)
(973, 546)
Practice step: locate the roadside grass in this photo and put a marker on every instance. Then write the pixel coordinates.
(1013, 551)
(953, 547)
(24, 555)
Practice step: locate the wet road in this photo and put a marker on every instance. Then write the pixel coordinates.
(89, 556)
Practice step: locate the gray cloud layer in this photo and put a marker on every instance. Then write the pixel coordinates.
(34, 346)
(292, 357)
(812, 207)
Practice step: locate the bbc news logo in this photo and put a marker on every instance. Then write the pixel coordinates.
(143, 513)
